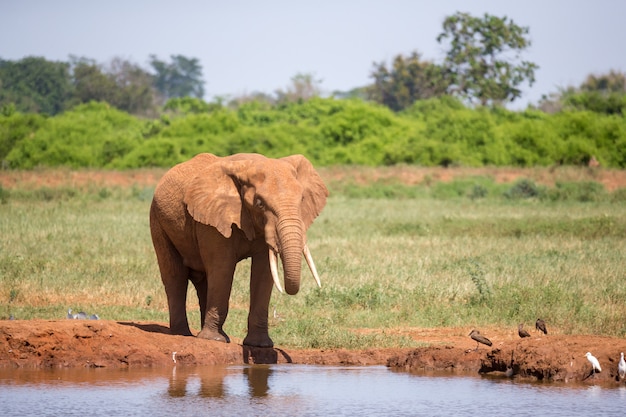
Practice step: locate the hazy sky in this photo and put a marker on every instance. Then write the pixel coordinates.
(247, 46)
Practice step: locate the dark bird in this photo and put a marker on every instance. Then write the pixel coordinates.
(541, 326)
(521, 332)
(479, 338)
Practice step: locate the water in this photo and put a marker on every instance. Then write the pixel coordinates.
(288, 390)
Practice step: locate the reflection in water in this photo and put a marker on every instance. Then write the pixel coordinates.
(212, 382)
(211, 386)
(257, 379)
(289, 390)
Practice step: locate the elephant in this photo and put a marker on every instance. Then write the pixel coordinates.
(211, 212)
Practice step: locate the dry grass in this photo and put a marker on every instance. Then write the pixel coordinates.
(385, 263)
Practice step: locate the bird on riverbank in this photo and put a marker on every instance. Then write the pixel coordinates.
(595, 364)
(521, 332)
(81, 315)
(479, 338)
(621, 367)
(541, 326)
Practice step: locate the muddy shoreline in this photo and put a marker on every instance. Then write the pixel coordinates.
(111, 344)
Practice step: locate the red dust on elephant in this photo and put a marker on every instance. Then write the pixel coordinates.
(211, 212)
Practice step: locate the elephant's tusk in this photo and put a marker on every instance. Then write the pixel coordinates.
(309, 261)
(274, 270)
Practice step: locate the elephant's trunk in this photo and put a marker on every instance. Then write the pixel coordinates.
(309, 261)
(290, 233)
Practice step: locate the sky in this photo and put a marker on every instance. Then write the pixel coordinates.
(247, 46)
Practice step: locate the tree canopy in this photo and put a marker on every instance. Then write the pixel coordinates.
(304, 86)
(483, 59)
(482, 66)
(407, 80)
(599, 93)
(181, 77)
(34, 84)
(124, 85)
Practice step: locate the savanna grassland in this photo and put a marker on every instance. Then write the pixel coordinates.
(394, 249)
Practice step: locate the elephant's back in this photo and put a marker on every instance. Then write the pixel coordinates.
(171, 187)
(169, 217)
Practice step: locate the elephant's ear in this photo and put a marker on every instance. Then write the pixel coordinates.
(213, 198)
(314, 193)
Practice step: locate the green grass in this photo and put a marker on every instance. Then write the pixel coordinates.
(436, 256)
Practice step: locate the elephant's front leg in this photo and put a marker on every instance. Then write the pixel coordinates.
(260, 292)
(219, 283)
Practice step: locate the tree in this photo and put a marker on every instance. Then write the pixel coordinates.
(409, 79)
(90, 82)
(180, 78)
(135, 91)
(238, 101)
(123, 85)
(613, 82)
(483, 61)
(604, 93)
(34, 84)
(303, 87)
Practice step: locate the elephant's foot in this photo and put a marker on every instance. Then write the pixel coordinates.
(213, 335)
(258, 340)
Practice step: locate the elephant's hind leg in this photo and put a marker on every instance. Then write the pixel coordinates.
(175, 279)
(200, 283)
(176, 291)
(176, 301)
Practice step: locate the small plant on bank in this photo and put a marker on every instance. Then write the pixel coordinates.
(4, 195)
(477, 276)
(523, 189)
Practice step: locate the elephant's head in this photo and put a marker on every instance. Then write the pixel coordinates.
(274, 198)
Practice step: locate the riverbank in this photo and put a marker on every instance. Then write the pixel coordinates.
(111, 344)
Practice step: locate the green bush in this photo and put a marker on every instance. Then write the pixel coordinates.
(523, 189)
(153, 153)
(434, 132)
(14, 127)
(584, 191)
(90, 135)
(472, 188)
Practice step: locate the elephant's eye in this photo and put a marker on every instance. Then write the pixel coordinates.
(258, 203)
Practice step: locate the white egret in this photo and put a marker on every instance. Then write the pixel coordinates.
(621, 367)
(595, 364)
